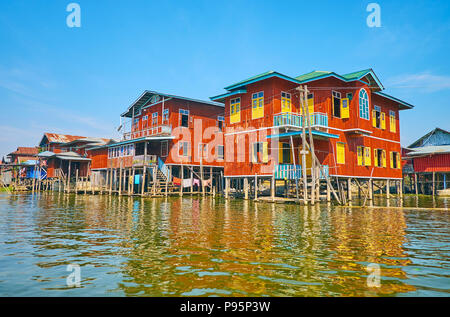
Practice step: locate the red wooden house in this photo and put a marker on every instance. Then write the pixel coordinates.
(355, 126)
(181, 137)
(427, 162)
(63, 154)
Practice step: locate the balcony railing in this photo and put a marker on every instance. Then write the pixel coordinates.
(318, 119)
(142, 160)
(288, 171)
(159, 130)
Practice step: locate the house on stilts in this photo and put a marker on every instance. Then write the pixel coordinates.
(305, 135)
(170, 144)
(427, 164)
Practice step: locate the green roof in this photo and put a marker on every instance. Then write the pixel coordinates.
(312, 75)
(252, 78)
(356, 75)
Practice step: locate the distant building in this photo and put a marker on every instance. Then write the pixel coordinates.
(427, 162)
(22, 154)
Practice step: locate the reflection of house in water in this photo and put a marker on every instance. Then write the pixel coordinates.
(426, 163)
(361, 238)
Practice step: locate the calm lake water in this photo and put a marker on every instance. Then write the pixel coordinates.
(212, 247)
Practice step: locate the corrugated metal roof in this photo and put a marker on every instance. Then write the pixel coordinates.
(427, 150)
(61, 138)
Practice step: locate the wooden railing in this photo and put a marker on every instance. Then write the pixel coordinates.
(152, 131)
(317, 119)
(142, 160)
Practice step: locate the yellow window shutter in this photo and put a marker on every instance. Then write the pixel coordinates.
(384, 158)
(374, 118)
(392, 159)
(399, 161)
(345, 110)
(265, 152)
(367, 160)
(383, 121)
(375, 157)
(311, 105)
(360, 155)
(392, 124)
(280, 153)
(340, 153)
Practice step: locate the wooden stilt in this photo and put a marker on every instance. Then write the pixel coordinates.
(256, 186)
(227, 187)
(245, 188)
(182, 177)
(273, 188)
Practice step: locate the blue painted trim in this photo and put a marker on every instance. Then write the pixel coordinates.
(318, 133)
(232, 93)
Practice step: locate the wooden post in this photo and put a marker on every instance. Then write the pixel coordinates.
(227, 187)
(245, 188)
(192, 180)
(167, 180)
(415, 184)
(154, 173)
(120, 178)
(76, 181)
(210, 178)
(388, 188)
(68, 178)
(273, 188)
(182, 177)
(433, 186)
(370, 189)
(132, 182)
(349, 188)
(143, 180)
(328, 192)
(311, 143)
(256, 186)
(305, 180)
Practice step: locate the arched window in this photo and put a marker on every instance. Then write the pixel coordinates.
(363, 104)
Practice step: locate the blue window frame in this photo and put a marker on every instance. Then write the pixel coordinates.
(363, 104)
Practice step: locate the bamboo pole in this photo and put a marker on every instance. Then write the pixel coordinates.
(311, 143)
(305, 180)
(143, 180)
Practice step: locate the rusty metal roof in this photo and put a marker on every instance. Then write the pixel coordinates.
(23, 150)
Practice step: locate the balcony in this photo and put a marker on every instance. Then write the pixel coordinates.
(142, 160)
(288, 171)
(160, 130)
(289, 119)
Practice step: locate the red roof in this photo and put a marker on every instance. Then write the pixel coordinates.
(22, 150)
(61, 138)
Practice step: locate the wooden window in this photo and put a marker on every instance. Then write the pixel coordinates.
(310, 104)
(184, 148)
(258, 105)
(220, 152)
(392, 122)
(220, 122)
(395, 160)
(367, 156)
(202, 150)
(164, 148)
(285, 102)
(363, 104)
(154, 119)
(336, 103)
(235, 110)
(144, 121)
(340, 153)
(345, 108)
(376, 117)
(259, 152)
(380, 157)
(184, 118)
(360, 151)
(165, 116)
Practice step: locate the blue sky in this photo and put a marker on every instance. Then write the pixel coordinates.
(78, 80)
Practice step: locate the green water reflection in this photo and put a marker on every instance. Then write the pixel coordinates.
(203, 247)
